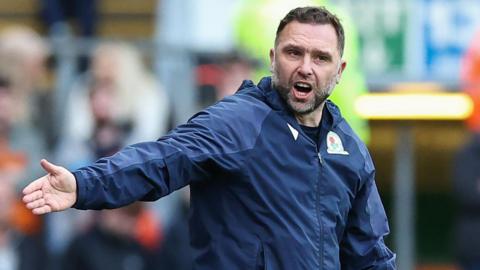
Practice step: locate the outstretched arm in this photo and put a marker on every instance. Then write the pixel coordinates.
(55, 191)
(208, 144)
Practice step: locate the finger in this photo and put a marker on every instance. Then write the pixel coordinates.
(33, 196)
(42, 210)
(34, 186)
(49, 167)
(36, 204)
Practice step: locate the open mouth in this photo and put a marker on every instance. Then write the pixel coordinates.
(301, 90)
(302, 87)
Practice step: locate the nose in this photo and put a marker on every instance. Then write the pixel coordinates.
(305, 68)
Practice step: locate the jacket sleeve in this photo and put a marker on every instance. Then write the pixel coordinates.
(150, 170)
(363, 246)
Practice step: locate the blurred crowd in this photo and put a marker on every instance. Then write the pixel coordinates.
(103, 114)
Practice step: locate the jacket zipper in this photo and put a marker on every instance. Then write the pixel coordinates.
(319, 218)
(317, 206)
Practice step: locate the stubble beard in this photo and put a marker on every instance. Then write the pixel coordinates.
(303, 108)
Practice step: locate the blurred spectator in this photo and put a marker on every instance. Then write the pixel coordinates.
(16, 134)
(137, 101)
(466, 179)
(236, 67)
(23, 60)
(114, 104)
(222, 75)
(108, 135)
(21, 242)
(111, 243)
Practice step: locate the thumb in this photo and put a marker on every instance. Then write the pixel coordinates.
(49, 167)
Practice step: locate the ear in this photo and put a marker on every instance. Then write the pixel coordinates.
(341, 68)
(272, 58)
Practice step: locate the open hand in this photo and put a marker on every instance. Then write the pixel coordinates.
(55, 191)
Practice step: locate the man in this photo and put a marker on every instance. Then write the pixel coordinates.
(255, 22)
(278, 179)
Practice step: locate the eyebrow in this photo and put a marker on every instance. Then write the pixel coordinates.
(293, 46)
(314, 52)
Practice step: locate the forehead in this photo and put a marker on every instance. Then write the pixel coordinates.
(314, 36)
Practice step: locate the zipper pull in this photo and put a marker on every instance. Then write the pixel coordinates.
(320, 158)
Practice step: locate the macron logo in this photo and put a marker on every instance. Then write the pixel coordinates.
(294, 132)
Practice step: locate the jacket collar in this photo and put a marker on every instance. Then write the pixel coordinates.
(278, 104)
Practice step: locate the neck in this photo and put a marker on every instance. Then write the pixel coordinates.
(311, 119)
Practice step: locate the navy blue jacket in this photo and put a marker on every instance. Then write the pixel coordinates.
(262, 195)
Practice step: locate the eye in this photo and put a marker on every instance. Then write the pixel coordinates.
(293, 52)
(322, 58)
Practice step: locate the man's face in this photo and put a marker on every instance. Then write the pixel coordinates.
(306, 65)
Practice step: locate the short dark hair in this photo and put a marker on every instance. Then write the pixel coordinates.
(314, 15)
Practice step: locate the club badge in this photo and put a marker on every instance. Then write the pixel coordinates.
(334, 144)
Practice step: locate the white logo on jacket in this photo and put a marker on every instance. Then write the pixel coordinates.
(294, 132)
(334, 144)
